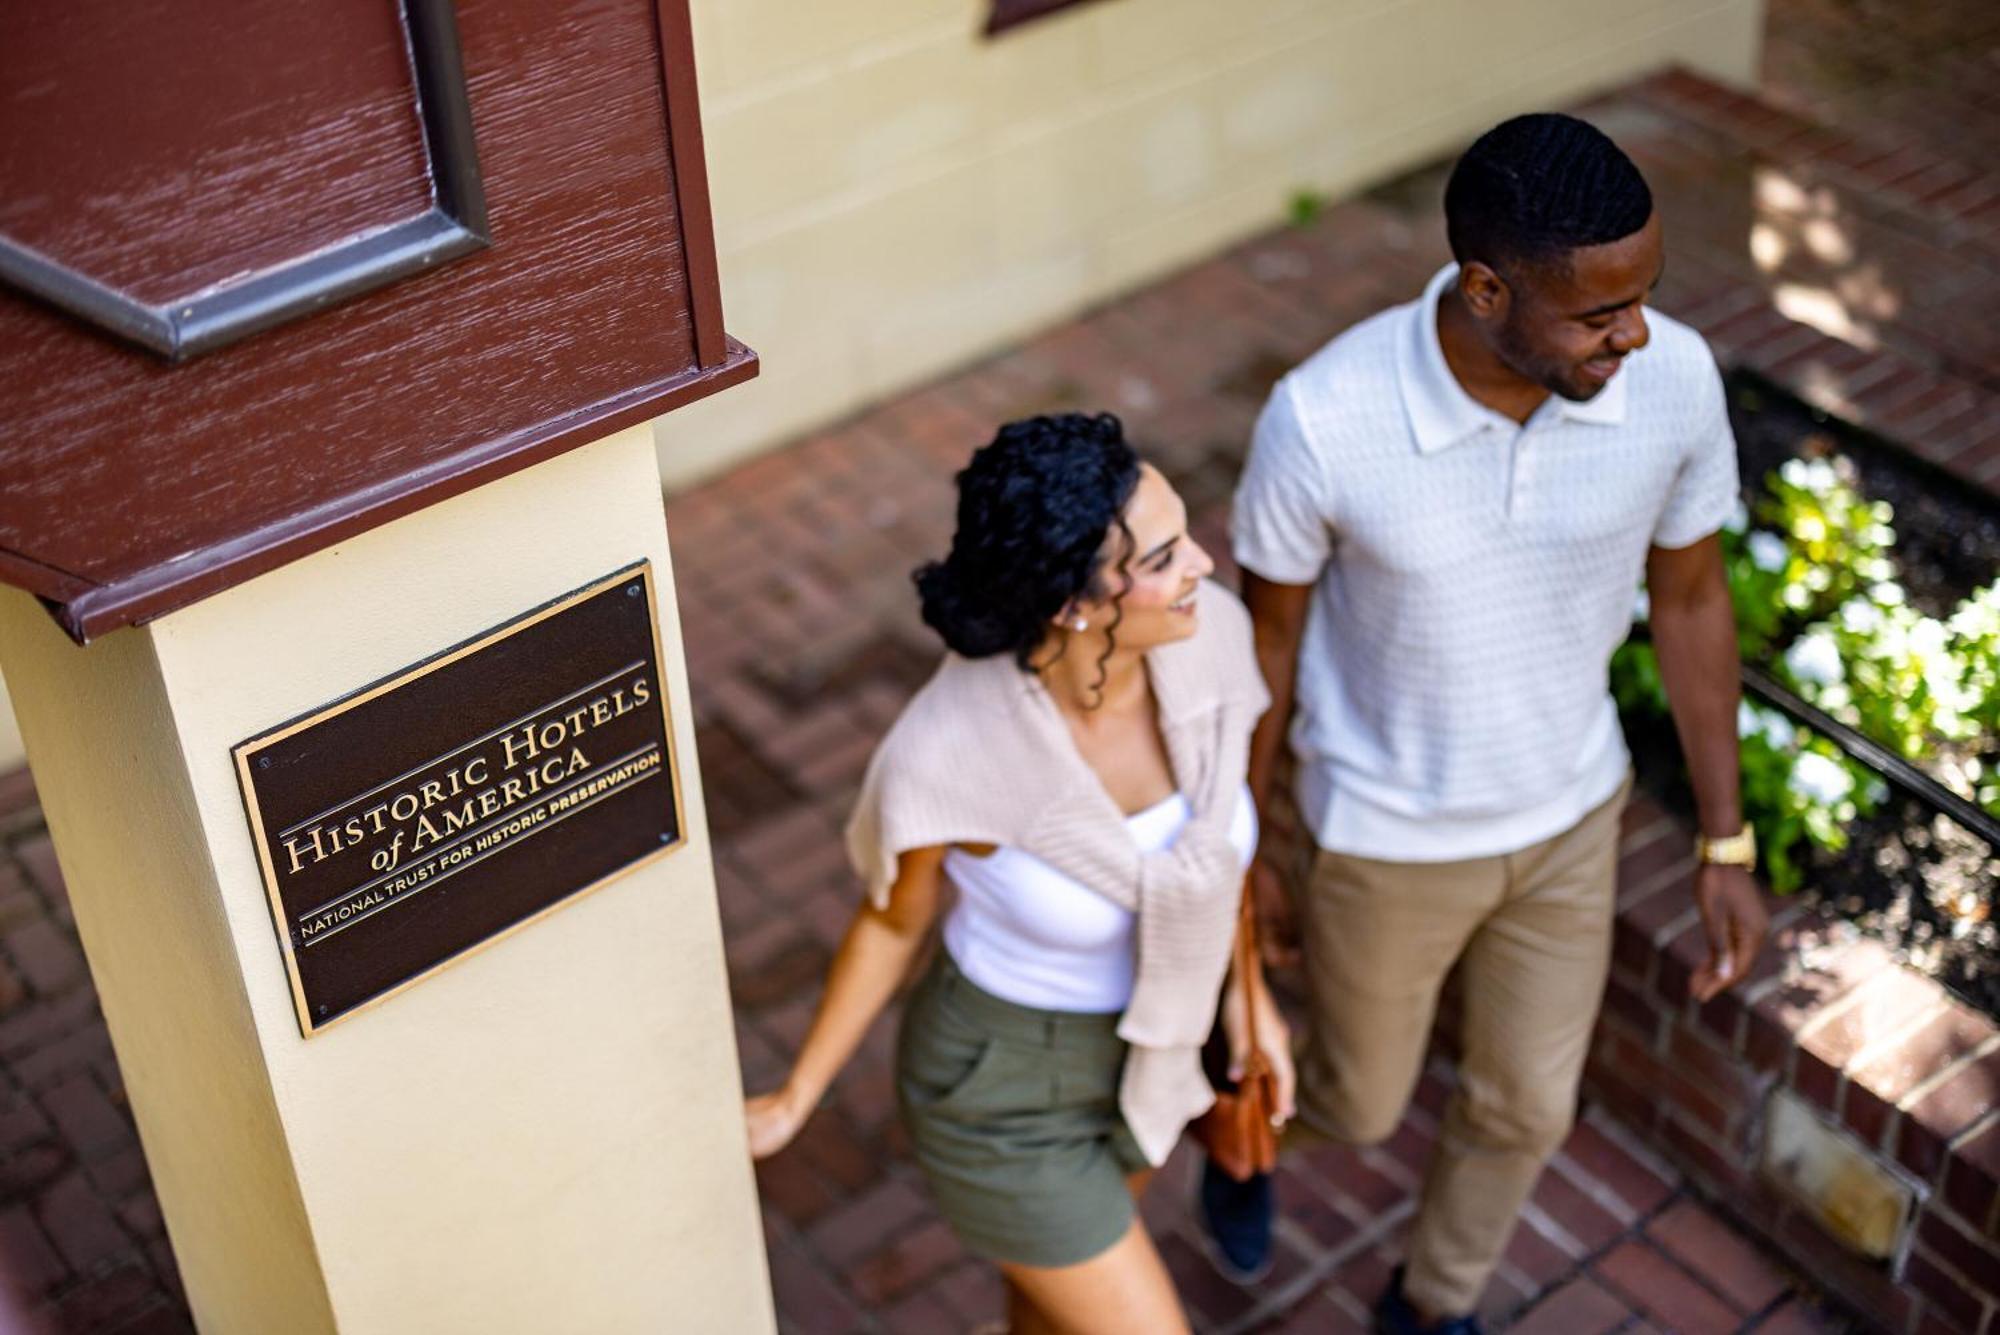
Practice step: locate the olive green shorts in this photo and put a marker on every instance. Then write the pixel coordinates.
(1013, 1117)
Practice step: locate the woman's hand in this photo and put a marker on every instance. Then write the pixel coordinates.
(774, 1119)
(1274, 1039)
(873, 959)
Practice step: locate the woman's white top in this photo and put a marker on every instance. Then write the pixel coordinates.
(1030, 935)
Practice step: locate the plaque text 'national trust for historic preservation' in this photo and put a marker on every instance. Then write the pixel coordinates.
(428, 813)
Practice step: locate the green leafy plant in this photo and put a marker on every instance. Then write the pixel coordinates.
(1886, 670)
(1305, 205)
(1975, 636)
(1837, 542)
(1798, 788)
(1815, 574)
(1975, 639)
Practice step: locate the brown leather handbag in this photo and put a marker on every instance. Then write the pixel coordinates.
(1240, 1132)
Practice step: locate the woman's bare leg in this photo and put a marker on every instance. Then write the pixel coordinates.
(1022, 1318)
(1123, 1290)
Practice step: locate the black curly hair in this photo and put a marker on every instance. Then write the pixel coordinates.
(1034, 508)
(1536, 187)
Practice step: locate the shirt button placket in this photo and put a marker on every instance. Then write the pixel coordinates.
(1517, 473)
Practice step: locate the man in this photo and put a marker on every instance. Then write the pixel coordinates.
(1442, 524)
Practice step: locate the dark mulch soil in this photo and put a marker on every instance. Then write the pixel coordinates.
(1928, 888)
(1910, 877)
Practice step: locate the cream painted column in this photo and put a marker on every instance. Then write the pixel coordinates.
(11, 752)
(543, 1137)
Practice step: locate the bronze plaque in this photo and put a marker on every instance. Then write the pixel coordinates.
(422, 816)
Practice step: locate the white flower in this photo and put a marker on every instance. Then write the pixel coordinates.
(1757, 721)
(1824, 781)
(1927, 638)
(1814, 657)
(1642, 607)
(1767, 551)
(1778, 730)
(1886, 594)
(1739, 518)
(1813, 475)
(1858, 616)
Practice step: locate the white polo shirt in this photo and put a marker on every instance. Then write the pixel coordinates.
(1472, 577)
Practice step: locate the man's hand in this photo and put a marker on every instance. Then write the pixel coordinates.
(1277, 923)
(1694, 634)
(1733, 916)
(1278, 614)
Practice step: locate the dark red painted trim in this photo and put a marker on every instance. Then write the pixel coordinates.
(1011, 13)
(96, 609)
(677, 84)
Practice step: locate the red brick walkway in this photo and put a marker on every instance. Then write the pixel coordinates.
(82, 1247)
(803, 642)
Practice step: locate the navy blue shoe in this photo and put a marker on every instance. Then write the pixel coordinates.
(1236, 1219)
(1395, 1316)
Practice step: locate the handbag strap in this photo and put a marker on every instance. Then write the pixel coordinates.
(1246, 966)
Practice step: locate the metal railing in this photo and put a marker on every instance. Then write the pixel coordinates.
(1893, 768)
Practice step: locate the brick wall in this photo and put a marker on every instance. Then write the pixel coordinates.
(1879, 1055)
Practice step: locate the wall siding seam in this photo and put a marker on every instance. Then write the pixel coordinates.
(1015, 136)
(939, 34)
(749, 234)
(1589, 58)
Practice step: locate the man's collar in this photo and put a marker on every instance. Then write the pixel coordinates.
(1440, 411)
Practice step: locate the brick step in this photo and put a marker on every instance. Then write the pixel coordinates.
(1928, 69)
(1879, 1057)
(1953, 198)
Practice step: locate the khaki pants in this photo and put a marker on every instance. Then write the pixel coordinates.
(1533, 932)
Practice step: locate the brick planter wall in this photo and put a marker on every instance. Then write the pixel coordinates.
(1880, 1057)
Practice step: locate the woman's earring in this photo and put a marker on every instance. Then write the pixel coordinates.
(1080, 624)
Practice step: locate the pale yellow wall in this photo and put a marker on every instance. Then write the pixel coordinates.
(896, 194)
(545, 1136)
(12, 752)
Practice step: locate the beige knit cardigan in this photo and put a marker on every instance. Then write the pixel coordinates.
(981, 755)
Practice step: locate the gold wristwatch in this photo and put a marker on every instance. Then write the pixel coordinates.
(1735, 850)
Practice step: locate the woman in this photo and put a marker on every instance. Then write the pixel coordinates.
(1076, 770)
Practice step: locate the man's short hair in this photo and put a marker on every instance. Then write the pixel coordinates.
(1536, 187)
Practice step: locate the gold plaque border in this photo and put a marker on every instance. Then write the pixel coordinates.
(643, 569)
